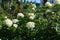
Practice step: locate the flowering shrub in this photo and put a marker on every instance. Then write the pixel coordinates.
(34, 23)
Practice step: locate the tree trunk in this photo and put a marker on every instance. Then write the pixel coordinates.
(44, 2)
(24, 1)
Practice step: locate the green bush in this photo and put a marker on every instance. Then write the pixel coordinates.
(47, 21)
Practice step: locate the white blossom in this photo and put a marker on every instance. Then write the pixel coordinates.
(5, 17)
(15, 25)
(15, 20)
(48, 4)
(30, 25)
(32, 17)
(8, 22)
(53, 12)
(0, 39)
(48, 10)
(33, 5)
(33, 9)
(30, 14)
(57, 2)
(20, 15)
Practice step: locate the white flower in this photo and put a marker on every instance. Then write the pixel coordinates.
(57, 1)
(30, 14)
(8, 22)
(0, 39)
(15, 25)
(20, 15)
(30, 25)
(5, 16)
(15, 20)
(33, 9)
(48, 10)
(33, 5)
(48, 4)
(32, 17)
(53, 12)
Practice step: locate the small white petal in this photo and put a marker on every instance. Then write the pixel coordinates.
(33, 5)
(30, 14)
(5, 16)
(15, 20)
(33, 9)
(15, 25)
(48, 10)
(32, 17)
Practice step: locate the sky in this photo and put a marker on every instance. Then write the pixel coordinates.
(38, 1)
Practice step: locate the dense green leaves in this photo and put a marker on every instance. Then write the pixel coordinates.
(47, 23)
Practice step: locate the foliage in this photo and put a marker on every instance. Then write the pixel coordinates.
(47, 21)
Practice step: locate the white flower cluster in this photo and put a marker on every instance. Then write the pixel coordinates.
(20, 15)
(8, 22)
(31, 16)
(15, 20)
(30, 25)
(33, 9)
(48, 4)
(48, 10)
(57, 2)
(0, 39)
(33, 5)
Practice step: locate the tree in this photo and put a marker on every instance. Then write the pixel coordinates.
(24, 1)
(6, 3)
(44, 2)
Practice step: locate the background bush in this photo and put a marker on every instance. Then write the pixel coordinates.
(46, 23)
